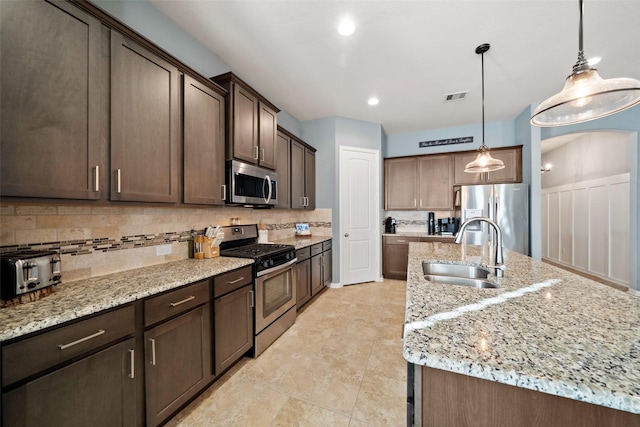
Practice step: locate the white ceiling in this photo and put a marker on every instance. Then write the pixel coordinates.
(410, 53)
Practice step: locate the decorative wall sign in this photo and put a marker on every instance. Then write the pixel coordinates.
(449, 141)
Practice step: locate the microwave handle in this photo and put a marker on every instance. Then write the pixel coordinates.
(268, 181)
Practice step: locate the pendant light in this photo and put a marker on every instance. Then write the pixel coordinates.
(484, 162)
(585, 95)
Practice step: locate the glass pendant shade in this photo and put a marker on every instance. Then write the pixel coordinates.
(484, 162)
(586, 96)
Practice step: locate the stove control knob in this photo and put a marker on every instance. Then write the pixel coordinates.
(265, 264)
(271, 262)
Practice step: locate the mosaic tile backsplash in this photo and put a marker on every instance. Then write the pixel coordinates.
(98, 240)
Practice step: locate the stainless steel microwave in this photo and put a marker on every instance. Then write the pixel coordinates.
(251, 185)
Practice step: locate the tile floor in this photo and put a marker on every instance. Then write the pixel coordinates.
(341, 364)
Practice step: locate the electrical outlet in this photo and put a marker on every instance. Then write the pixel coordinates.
(163, 250)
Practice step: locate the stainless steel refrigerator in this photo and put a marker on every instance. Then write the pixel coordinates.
(505, 204)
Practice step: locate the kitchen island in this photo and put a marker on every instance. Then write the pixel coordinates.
(546, 347)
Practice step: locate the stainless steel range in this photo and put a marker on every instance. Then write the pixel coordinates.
(274, 274)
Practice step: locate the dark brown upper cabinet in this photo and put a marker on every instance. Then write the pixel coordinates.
(251, 123)
(512, 172)
(145, 124)
(204, 145)
(283, 169)
(303, 176)
(54, 108)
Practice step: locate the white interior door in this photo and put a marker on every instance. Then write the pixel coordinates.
(359, 215)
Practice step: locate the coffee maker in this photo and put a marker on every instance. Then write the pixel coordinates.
(390, 225)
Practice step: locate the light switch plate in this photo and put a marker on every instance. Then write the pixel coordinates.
(163, 250)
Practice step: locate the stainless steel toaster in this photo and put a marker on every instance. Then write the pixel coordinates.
(27, 271)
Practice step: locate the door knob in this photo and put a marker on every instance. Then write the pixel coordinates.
(346, 234)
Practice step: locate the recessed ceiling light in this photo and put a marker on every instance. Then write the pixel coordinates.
(373, 101)
(346, 27)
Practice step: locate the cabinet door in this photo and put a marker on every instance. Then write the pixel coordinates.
(303, 282)
(233, 320)
(245, 125)
(400, 184)
(98, 391)
(512, 172)
(283, 166)
(145, 124)
(310, 178)
(178, 362)
(53, 105)
(326, 268)
(203, 144)
(435, 182)
(268, 130)
(395, 257)
(297, 175)
(460, 176)
(316, 274)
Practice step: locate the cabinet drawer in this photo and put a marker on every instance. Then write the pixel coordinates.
(316, 249)
(400, 240)
(228, 282)
(162, 307)
(326, 245)
(303, 253)
(32, 355)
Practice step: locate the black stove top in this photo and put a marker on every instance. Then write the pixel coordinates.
(257, 250)
(240, 241)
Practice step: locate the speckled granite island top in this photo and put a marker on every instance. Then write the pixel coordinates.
(83, 297)
(543, 329)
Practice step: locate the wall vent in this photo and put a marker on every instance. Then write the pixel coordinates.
(458, 96)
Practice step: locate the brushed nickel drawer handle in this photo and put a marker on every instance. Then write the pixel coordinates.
(187, 299)
(224, 192)
(96, 188)
(401, 241)
(81, 340)
(132, 359)
(251, 304)
(233, 282)
(153, 351)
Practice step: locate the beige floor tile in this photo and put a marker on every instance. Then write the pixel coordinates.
(341, 364)
(381, 401)
(297, 413)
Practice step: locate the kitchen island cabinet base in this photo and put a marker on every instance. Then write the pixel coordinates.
(442, 398)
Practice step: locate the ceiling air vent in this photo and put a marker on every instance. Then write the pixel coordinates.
(458, 96)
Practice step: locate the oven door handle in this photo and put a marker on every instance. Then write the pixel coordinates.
(276, 268)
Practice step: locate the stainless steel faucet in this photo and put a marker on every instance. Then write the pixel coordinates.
(499, 260)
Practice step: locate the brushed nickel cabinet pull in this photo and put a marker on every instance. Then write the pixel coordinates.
(256, 155)
(153, 351)
(87, 338)
(224, 192)
(414, 203)
(118, 181)
(262, 154)
(132, 359)
(96, 187)
(251, 304)
(233, 282)
(187, 299)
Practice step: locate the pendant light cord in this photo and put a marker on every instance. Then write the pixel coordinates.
(483, 98)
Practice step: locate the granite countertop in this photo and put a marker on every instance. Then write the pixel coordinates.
(543, 329)
(419, 234)
(303, 242)
(79, 298)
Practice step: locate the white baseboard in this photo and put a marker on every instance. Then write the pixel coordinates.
(334, 285)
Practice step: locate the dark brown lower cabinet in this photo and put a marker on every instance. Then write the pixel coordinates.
(450, 399)
(233, 320)
(98, 390)
(316, 274)
(303, 282)
(177, 362)
(395, 254)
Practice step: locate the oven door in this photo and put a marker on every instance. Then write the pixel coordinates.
(275, 294)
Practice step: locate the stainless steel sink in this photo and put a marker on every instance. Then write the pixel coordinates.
(454, 270)
(457, 274)
(464, 281)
